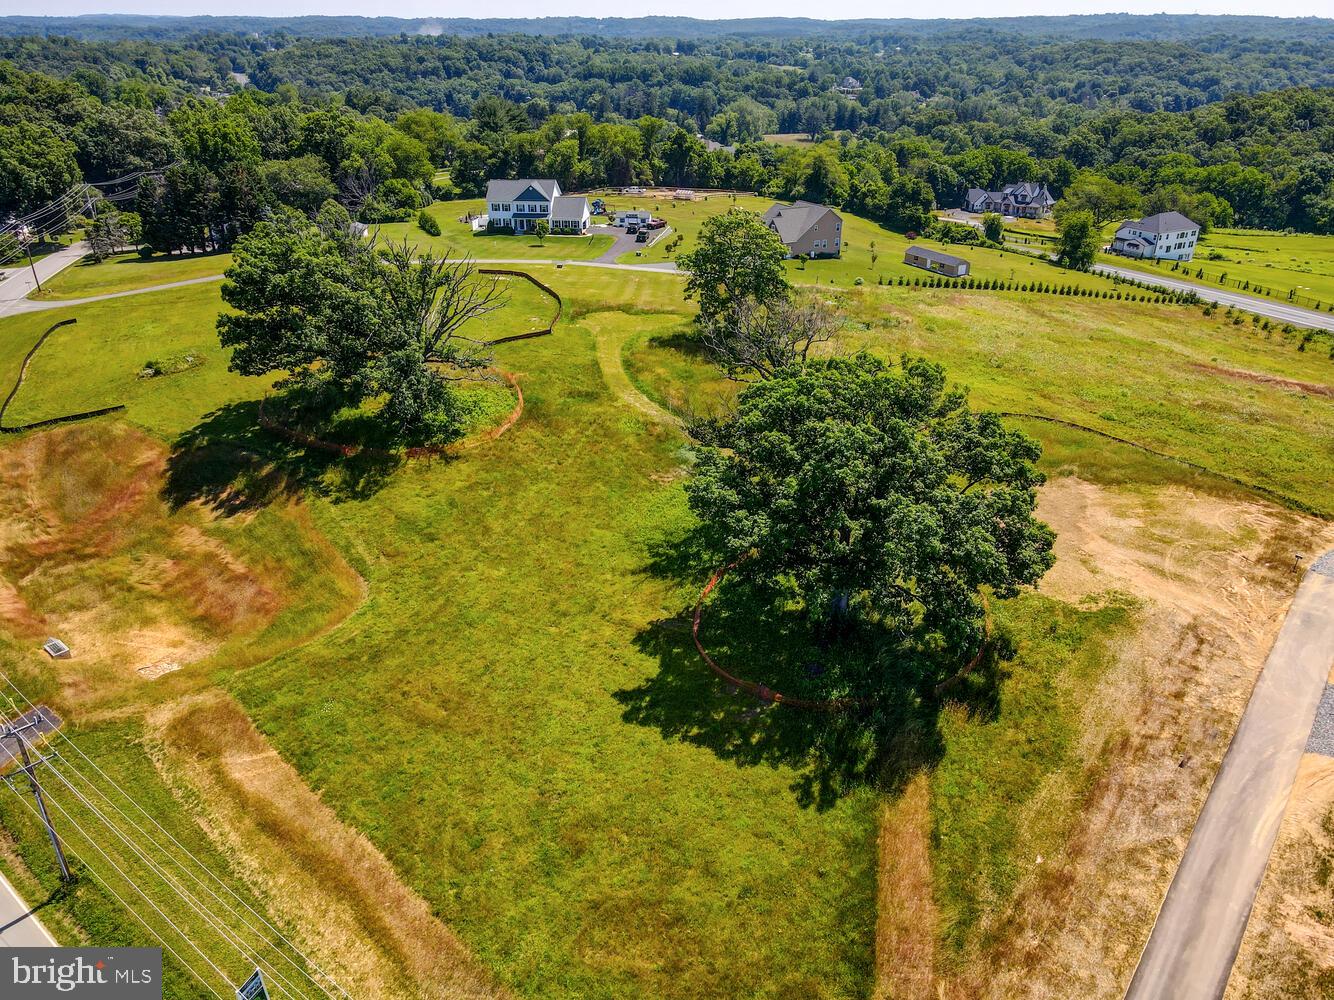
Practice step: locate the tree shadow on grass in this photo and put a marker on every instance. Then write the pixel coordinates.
(230, 464)
(754, 634)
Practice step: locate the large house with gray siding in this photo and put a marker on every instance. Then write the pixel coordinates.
(807, 229)
(1165, 236)
(521, 204)
(1025, 200)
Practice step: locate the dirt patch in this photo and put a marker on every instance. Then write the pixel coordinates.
(906, 918)
(1311, 388)
(90, 553)
(1215, 578)
(1288, 950)
(351, 912)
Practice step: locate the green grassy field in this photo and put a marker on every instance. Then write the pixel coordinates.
(457, 237)
(856, 261)
(128, 271)
(97, 361)
(1130, 369)
(115, 567)
(1270, 264)
(587, 830)
(100, 360)
(516, 716)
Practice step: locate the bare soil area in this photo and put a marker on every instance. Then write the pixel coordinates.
(90, 554)
(1215, 577)
(1288, 950)
(1313, 388)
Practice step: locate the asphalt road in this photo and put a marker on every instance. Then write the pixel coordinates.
(1194, 942)
(18, 282)
(18, 927)
(1280, 311)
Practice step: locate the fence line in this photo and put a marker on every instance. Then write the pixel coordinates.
(49, 421)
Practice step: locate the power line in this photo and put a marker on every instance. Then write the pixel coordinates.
(210, 919)
(263, 938)
(135, 913)
(306, 972)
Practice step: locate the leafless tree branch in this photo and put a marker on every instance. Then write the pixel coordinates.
(755, 340)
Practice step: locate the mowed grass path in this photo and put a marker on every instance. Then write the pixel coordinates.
(486, 718)
(558, 777)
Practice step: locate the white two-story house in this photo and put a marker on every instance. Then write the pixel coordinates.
(521, 204)
(1165, 236)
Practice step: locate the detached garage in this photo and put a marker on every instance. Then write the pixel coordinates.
(936, 262)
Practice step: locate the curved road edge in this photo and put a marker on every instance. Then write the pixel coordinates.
(1194, 942)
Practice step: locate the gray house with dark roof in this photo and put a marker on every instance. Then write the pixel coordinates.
(1165, 236)
(935, 261)
(1025, 200)
(807, 229)
(521, 204)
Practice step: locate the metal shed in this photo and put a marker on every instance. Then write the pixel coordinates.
(936, 262)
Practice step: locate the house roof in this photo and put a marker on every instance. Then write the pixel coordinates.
(517, 190)
(1027, 192)
(569, 208)
(1163, 222)
(933, 255)
(794, 221)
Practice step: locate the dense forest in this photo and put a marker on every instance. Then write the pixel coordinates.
(1233, 126)
(105, 27)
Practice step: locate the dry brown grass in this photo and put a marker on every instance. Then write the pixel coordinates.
(1215, 577)
(89, 552)
(351, 912)
(906, 919)
(1288, 950)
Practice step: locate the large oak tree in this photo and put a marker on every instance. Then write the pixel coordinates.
(873, 492)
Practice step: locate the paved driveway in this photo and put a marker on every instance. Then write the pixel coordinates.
(625, 242)
(1194, 942)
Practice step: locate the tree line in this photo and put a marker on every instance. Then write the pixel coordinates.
(1264, 160)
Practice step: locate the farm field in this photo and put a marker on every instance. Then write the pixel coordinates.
(1273, 264)
(515, 716)
(127, 271)
(458, 238)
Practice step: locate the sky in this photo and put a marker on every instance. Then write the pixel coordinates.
(685, 8)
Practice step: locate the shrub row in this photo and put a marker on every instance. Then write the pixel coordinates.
(1145, 293)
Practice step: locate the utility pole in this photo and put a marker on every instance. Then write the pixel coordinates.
(25, 237)
(29, 768)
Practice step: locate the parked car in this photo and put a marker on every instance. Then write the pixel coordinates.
(657, 223)
(642, 237)
(631, 230)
